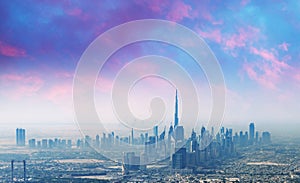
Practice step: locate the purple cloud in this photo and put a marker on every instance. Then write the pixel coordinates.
(178, 11)
(11, 51)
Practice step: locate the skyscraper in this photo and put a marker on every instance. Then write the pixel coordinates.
(179, 133)
(266, 138)
(132, 137)
(97, 141)
(176, 111)
(251, 133)
(155, 130)
(179, 159)
(20, 137)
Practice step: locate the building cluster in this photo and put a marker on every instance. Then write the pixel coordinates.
(199, 149)
(43, 143)
(251, 137)
(50, 143)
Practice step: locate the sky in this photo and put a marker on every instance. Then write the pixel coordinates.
(255, 42)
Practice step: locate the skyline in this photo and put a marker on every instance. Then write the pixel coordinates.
(256, 44)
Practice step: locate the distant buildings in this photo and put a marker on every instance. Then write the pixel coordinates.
(32, 143)
(50, 143)
(266, 138)
(20, 137)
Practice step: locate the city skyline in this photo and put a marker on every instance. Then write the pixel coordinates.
(157, 139)
(257, 50)
(157, 131)
(174, 133)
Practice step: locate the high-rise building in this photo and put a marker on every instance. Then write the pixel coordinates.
(266, 138)
(31, 143)
(256, 137)
(179, 159)
(179, 137)
(51, 143)
(103, 141)
(97, 141)
(87, 141)
(20, 137)
(162, 135)
(155, 130)
(69, 143)
(44, 143)
(251, 133)
(179, 133)
(146, 136)
(202, 132)
(176, 111)
(132, 137)
(194, 144)
(110, 140)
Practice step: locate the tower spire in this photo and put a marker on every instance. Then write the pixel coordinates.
(176, 111)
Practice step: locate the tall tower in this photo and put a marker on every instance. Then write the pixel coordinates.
(17, 137)
(251, 133)
(176, 111)
(132, 137)
(20, 137)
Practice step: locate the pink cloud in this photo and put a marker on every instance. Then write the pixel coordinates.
(59, 92)
(244, 36)
(206, 14)
(270, 70)
(64, 74)
(17, 85)
(297, 76)
(261, 74)
(156, 6)
(203, 10)
(270, 56)
(77, 12)
(214, 35)
(284, 46)
(11, 51)
(178, 11)
(237, 40)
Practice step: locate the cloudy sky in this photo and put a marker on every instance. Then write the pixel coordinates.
(255, 42)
